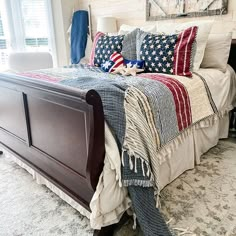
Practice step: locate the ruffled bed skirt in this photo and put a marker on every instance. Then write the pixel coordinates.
(184, 152)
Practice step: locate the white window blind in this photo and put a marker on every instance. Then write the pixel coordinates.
(35, 25)
(4, 36)
(30, 27)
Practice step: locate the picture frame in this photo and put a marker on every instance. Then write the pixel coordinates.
(172, 9)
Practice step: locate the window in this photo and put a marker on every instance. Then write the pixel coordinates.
(4, 39)
(25, 25)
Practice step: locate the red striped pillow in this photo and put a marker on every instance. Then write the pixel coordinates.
(92, 55)
(117, 59)
(183, 52)
(169, 54)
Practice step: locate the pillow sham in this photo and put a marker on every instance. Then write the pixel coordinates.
(217, 51)
(169, 54)
(103, 47)
(204, 28)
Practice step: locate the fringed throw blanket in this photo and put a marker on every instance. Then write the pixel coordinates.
(145, 113)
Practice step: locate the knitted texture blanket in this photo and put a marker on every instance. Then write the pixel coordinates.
(145, 113)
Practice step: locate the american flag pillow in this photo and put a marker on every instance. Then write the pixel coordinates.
(169, 54)
(103, 47)
(116, 60)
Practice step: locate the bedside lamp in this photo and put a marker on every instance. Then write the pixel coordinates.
(107, 24)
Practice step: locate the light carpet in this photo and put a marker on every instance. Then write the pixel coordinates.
(202, 201)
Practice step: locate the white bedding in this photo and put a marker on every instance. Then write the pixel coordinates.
(199, 139)
(111, 200)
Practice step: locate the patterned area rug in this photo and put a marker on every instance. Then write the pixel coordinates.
(202, 201)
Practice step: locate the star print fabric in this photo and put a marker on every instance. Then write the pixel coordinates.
(105, 47)
(169, 54)
(158, 53)
(138, 63)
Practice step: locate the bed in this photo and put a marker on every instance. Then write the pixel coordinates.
(59, 132)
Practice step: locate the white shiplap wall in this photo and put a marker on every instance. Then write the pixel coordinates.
(133, 12)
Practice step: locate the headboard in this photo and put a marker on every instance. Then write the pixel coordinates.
(232, 55)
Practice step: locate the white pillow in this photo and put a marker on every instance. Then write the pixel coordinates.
(217, 51)
(204, 28)
(125, 29)
(166, 27)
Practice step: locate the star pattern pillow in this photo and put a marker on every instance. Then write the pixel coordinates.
(103, 47)
(138, 63)
(169, 54)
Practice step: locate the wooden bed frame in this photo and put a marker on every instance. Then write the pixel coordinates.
(57, 131)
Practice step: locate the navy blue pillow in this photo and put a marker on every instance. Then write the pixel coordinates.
(139, 63)
(106, 46)
(169, 54)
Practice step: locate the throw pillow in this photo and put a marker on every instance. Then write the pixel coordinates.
(115, 61)
(103, 47)
(138, 63)
(217, 51)
(169, 54)
(129, 45)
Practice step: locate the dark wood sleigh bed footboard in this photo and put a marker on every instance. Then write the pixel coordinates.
(57, 131)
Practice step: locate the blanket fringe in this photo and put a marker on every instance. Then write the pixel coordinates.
(137, 182)
(135, 160)
(138, 126)
(181, 231)
(135, 221)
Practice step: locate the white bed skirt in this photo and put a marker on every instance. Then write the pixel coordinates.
(177, 157)
(41, 180)
(198, 141)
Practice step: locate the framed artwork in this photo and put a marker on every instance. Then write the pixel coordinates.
(169, 9)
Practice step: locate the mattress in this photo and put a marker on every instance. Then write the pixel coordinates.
(177, 156)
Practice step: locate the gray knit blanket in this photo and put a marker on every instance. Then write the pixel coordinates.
(145, 113)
